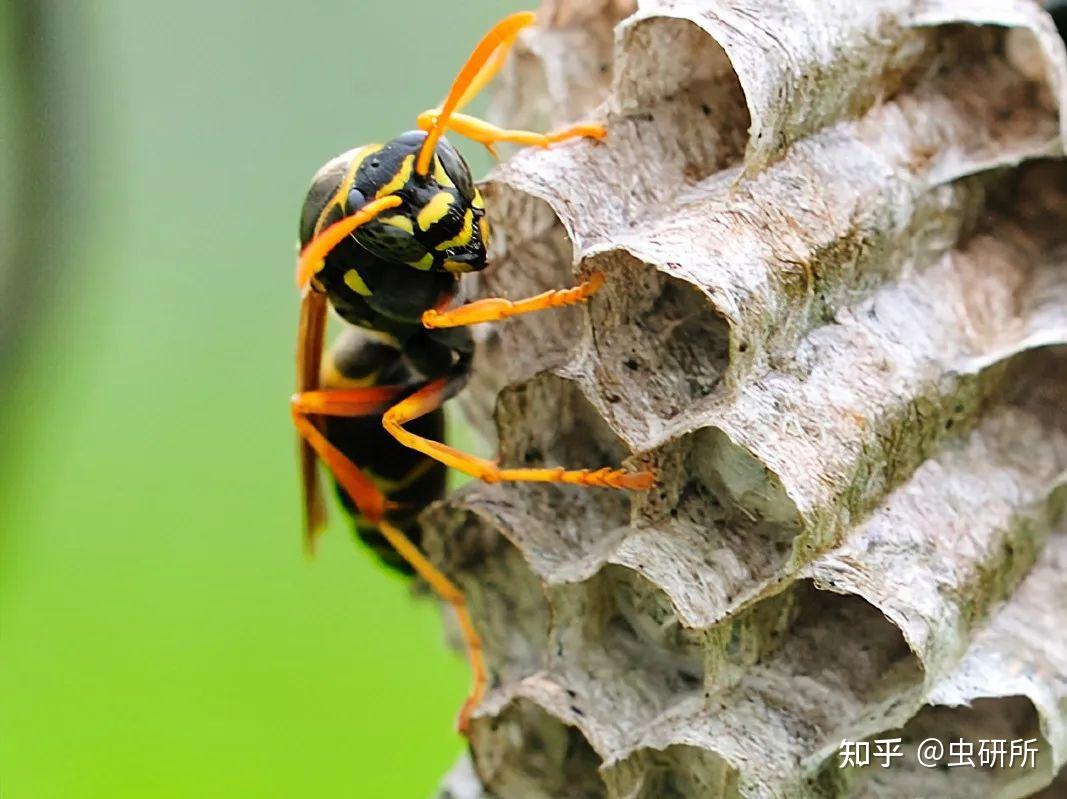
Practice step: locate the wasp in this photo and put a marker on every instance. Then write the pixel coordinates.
(386, 232)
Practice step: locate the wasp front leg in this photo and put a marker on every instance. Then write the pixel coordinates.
(493, 309)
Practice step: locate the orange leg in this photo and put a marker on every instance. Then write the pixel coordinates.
(313, 256)
(482, 65)
(345, 401)
(493, 309)
(373, 505)
(450, 593)
(431, 396)
(366, 496)
(309, 339)
(488, 134)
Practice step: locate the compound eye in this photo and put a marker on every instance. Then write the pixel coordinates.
(411, 138)
(355, 201)
(456, 168)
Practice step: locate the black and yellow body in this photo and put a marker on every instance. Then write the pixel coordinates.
(382, 279)
(386, 231)
(408, 479)
(392, 270)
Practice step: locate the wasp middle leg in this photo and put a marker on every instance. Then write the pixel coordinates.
(433, 395)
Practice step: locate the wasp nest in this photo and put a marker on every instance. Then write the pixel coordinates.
(834, 236)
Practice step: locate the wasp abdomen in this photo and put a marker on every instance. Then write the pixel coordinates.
(406, 477)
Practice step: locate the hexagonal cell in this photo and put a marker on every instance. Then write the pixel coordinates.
(939, 769)
(504, 595)
(988, 88)
(1004, 48)
(840, 669)
(670, 67)
(740, 510)
(1037, 381)
(844, 642)
(625, 624)
(677, 772)
(533, 253)
(549, 422)
(524, 751)
(562, 70)
(659, 341)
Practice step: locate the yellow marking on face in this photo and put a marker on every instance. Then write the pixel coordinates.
(401, 222)
(440, 175)
(354, 280)
(483, 226)
(424, 263)
(400, 179)
(340, 197)
(478, 201)
(456, 266)
(463, 238)
(435, 210)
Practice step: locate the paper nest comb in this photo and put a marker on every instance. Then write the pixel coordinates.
(834, 235)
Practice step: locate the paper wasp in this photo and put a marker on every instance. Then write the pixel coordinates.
(385, 233)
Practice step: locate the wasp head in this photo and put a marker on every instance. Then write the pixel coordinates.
(440, 223)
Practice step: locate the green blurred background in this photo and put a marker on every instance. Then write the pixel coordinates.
(161, 634)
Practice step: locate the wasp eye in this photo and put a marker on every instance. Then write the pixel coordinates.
(355, 201)
(456, 168)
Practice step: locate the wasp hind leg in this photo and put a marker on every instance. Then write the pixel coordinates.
(435, 393)
(373, 505)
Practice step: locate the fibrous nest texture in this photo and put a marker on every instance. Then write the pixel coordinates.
(834, 235)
